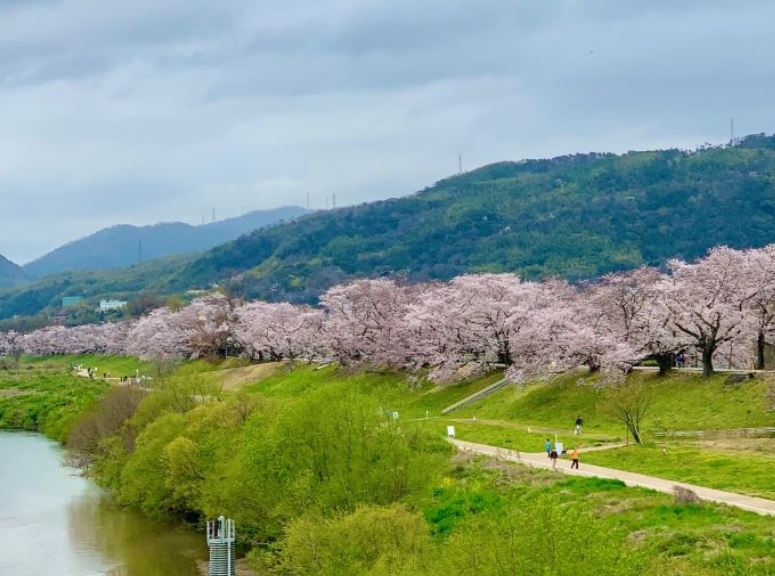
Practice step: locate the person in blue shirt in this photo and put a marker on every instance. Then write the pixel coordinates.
(548, 447)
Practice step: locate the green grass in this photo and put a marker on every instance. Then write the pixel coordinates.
(393, 390)
(674, 539)
(518, 437)
(745, 472)
(113, 365)
(44, 401)
(680, 402)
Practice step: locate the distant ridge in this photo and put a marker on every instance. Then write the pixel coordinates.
(125, 245)
(575, 217)
(11, 275)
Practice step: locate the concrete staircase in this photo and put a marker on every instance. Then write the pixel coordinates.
(483, 393)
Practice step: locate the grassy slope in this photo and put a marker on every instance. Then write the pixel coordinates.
(521, 418)
(680, 402)
(686, 540)
(44, 401)
(393, 390)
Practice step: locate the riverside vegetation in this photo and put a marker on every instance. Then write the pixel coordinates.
(320, 481)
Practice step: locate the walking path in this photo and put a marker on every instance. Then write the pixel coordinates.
(539, 460)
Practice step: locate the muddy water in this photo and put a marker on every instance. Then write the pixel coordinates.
(54, 522)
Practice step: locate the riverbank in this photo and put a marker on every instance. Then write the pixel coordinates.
(352, 464)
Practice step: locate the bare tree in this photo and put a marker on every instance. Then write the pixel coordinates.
(629, 403)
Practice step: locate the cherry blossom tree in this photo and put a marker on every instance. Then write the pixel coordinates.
(277, 331)
(208, 322)
(472, 319)
(11, 344)
(364, 322)
(758, 266)
(567, 333)
(161, 334)
(705, 301)
(634, 312)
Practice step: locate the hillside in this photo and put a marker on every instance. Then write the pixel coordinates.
(574, 216)
(11, 275)
(125, 284)
(125, 245)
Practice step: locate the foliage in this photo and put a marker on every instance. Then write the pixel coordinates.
(371, 540)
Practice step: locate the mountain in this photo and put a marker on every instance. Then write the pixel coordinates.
(11, 275)
(575, 216)
(124, 245)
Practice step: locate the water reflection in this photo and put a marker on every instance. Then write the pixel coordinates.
(55, 522)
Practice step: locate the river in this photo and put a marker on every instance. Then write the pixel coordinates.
(54, 522)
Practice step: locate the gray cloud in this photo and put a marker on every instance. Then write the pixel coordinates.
(146, 111)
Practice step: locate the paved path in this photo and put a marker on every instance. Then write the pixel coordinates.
(759, 505)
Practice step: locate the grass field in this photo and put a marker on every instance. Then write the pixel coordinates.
(748, 472)
(44, 401)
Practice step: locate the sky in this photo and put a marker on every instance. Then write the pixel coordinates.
(146, 111)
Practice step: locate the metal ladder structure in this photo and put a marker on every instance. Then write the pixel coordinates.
(220, 540)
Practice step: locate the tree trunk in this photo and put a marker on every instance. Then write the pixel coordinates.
(707, 361)
(665, 362)
(760, 351)
(504, 352)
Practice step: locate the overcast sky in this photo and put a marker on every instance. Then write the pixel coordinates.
(155, 110)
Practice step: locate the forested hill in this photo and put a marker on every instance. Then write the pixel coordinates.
(124, 245)
(11, 275)
(575, 216)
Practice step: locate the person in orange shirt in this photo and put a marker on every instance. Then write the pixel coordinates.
(574, 454)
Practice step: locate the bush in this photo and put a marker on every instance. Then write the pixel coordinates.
(371, 539)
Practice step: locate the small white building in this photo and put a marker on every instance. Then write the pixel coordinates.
(108, 305)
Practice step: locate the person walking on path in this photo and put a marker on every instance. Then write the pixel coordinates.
(548, 447)
(553, 456)
(574, 454)
(579, 422)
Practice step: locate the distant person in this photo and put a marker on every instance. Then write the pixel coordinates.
(579, 422)
(548, 446)
(574, 455)
(680, 360)
(553, 456)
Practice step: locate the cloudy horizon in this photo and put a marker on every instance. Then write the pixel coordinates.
(142, 112)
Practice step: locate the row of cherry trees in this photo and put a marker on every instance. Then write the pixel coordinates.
(720, 308)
